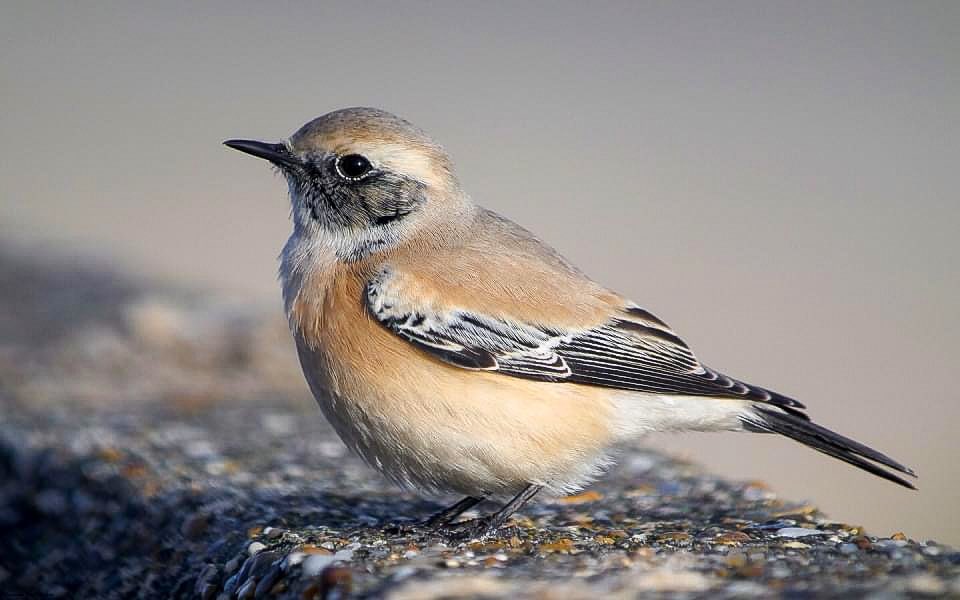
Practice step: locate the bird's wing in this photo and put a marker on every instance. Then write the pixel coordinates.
(632, 350)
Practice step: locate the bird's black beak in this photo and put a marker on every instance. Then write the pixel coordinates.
(278, 154)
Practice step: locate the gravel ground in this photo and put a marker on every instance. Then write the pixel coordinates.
(161, 444)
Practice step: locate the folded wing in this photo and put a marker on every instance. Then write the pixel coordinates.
(633, 350)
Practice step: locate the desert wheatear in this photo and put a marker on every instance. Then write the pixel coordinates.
(456, 352)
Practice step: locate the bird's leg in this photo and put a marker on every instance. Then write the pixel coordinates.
(500, 517)
(483, 527)
(447, 515)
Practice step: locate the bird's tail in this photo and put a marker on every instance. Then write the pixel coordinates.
(798, 427)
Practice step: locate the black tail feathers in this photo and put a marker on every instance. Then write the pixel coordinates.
(826, 441)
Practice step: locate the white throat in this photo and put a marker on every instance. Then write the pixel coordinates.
(305, 255)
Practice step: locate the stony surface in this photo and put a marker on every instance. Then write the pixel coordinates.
(162, 445)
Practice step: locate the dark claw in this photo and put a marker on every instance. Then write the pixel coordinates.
(402, 528)
(473, 529)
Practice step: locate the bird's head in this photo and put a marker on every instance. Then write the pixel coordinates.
(363, 180)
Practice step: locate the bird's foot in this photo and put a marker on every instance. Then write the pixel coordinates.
(471, 529)
(404, 528)
(463, 530)
(436, 524)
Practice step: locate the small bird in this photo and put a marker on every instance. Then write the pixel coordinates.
(456, 352)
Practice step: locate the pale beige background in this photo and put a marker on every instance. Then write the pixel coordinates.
(778, 181)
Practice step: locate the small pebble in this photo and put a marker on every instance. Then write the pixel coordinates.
(293, 559)
(273, 533)
(780, 572)
(756, 493)
(798, 532)
(263, 562)
(230, 585)
(269, 580)
(732, 538)
(561, 545)
(247, 590)
(315, 563)
(848, 548)
(736, 560)
(206, 579)
(255, 547)
(863, 542)
(796, 545)
(345, 554)
(926, 584)
(582, 498)
(233, 564)
(746, 589)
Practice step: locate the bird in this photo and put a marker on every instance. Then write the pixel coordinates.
(455, 352)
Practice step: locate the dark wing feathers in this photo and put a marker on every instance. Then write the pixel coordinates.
(829, 442)
(637, 352)
(623, 355)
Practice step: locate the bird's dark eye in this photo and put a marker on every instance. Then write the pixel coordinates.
(353, 166)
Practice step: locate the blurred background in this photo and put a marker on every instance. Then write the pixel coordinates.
(776, 180)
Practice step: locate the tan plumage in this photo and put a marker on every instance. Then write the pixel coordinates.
(456, 352)
(400, 406)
